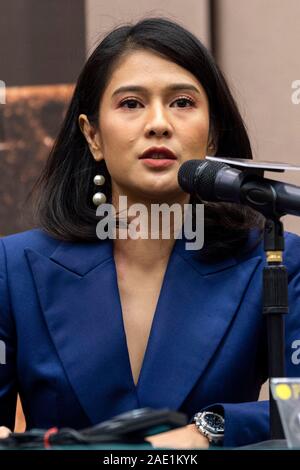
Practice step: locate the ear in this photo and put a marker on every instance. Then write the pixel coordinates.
(212, 143)
(211, 149)
(92, 137)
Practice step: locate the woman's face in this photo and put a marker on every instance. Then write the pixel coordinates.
(150, 102)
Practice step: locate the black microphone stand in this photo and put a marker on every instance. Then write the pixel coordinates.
(275, 306)
(275, 288)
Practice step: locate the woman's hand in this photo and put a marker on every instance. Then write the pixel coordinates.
(187, 437)
(4, 432)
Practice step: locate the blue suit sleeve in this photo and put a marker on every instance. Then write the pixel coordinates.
(248, 423)
(8, 380)
(245, 423)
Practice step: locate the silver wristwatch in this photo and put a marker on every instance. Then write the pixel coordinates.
(210, 425)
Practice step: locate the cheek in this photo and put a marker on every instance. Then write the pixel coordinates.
(117, 150)
(117, 135)
(195, 135)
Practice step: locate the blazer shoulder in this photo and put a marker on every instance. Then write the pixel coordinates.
(36, 239)
(291, 255)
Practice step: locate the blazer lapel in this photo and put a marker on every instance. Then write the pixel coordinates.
(78, 293)
(196, 306)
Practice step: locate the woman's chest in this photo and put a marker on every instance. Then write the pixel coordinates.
(139, 294)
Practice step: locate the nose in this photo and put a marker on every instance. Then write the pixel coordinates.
(157, 123)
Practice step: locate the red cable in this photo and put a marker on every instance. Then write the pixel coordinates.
(47, 436)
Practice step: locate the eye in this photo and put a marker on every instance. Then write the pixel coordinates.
(182, 101)
(130, 102)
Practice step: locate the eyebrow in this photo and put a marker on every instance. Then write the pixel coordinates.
(173, 87)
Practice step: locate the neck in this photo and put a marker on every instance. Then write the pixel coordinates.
(151, 245)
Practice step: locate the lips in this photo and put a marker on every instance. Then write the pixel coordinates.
(158, 153)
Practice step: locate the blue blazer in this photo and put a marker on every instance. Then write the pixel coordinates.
(66, 351)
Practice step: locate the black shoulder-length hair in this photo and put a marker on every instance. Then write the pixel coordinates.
(65, 188)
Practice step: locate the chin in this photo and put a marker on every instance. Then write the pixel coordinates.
(161, 195)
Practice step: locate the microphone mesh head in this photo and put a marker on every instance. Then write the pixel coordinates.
(186, 174)
(198, 176)
(205, 180)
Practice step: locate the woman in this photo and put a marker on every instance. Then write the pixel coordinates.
(96, 327)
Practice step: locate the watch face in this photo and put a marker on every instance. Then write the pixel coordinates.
(214, 423)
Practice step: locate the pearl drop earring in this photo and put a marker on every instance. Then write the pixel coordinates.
(99, 198)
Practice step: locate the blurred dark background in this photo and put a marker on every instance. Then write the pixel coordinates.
(42, 50)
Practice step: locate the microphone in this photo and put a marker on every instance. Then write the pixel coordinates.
(215, 181)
